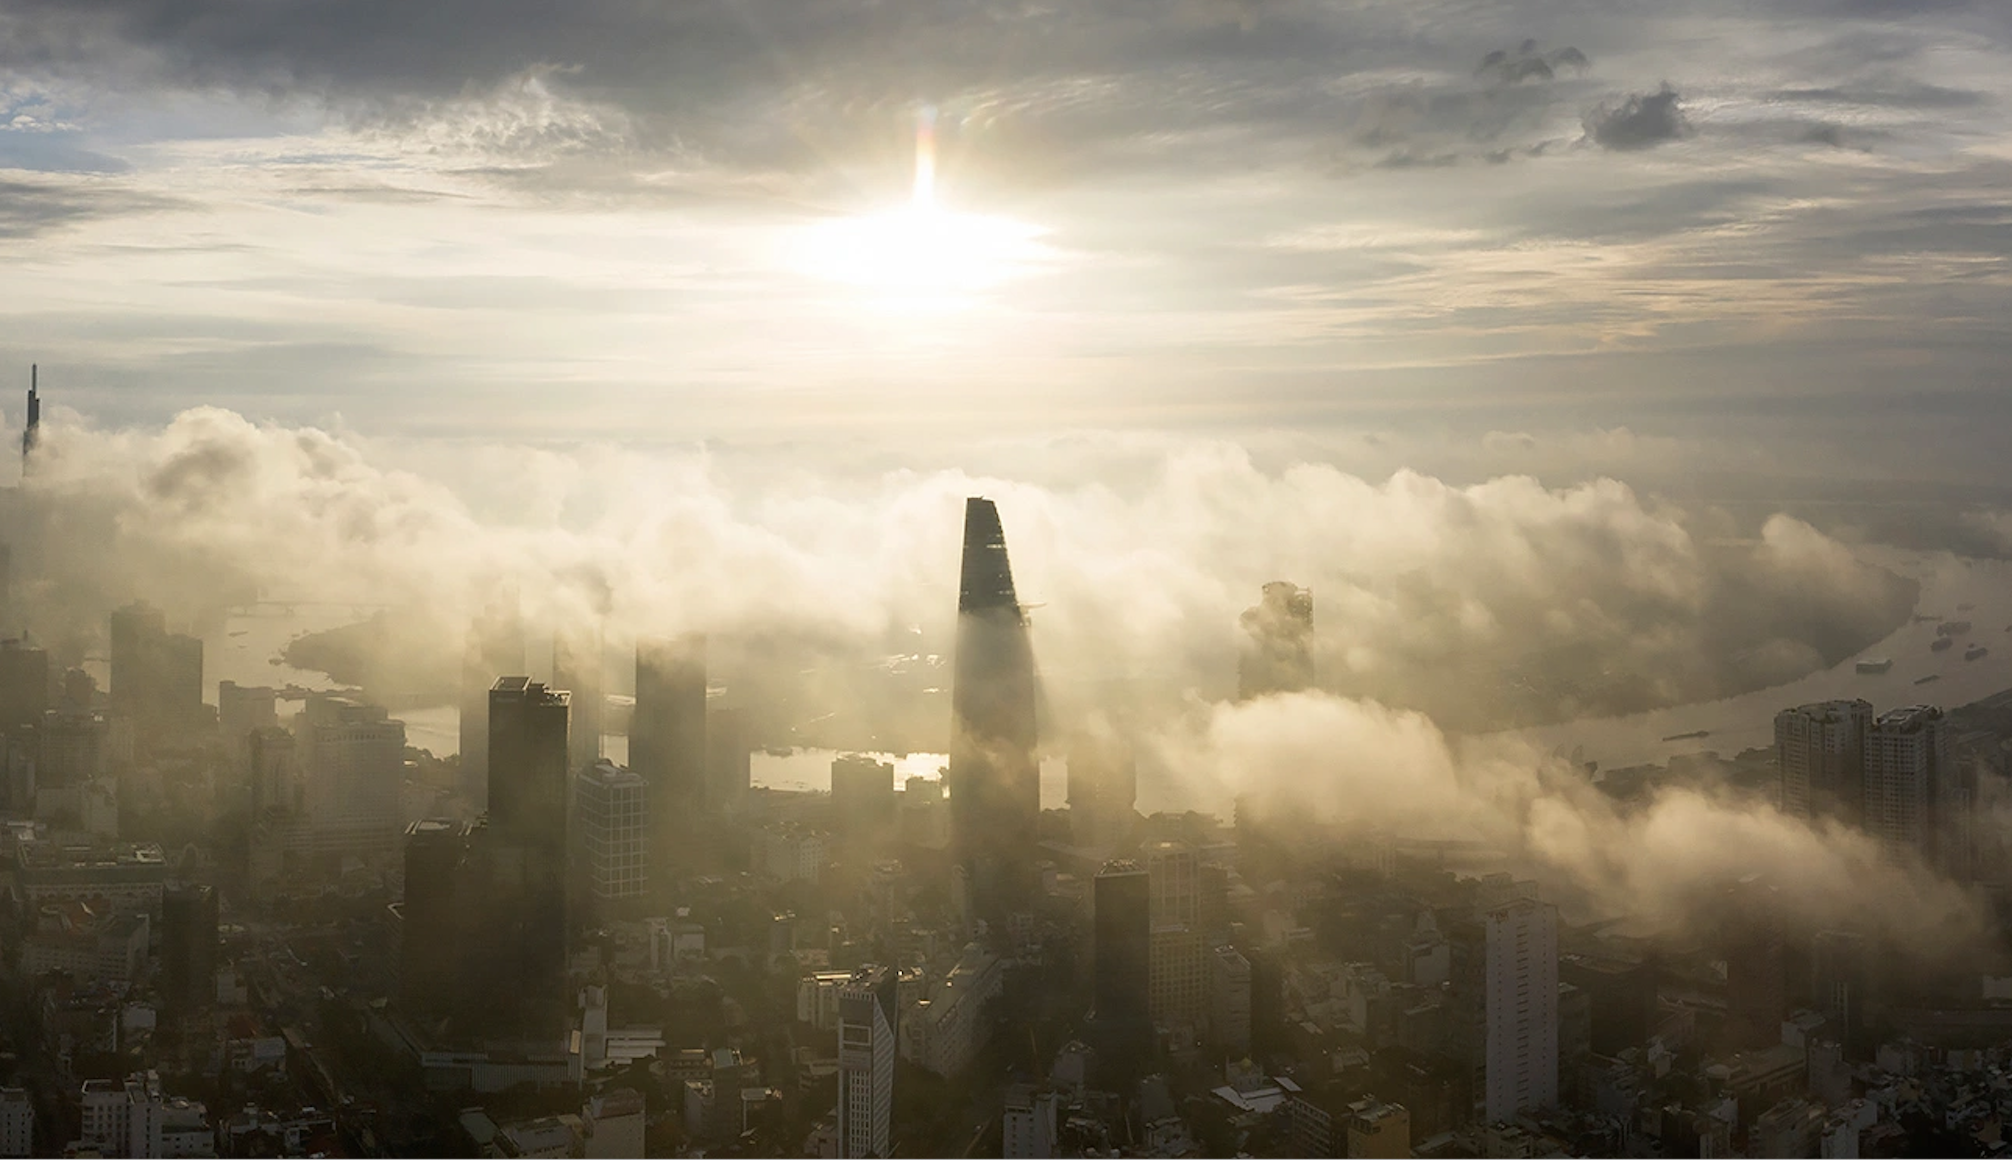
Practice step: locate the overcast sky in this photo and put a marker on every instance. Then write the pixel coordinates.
(1696, 219)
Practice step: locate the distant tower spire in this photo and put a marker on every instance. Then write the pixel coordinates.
(32, 430)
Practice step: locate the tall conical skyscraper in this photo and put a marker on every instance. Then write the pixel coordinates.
(995, 777)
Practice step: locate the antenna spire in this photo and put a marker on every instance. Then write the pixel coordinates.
(31, 432)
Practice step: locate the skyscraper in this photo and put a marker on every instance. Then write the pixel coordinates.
(525, 854)
(995, 782)
(667, 740)
(32, 433)
(1278, 658)
(1521, 998)
(1907, 771)
(576, 667)
(1121, 948)
(352, 760)
(867, 1012)
(495, 649)
(1821, 751)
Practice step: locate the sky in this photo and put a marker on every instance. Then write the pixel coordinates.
(1773, 236)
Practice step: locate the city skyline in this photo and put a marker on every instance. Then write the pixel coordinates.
(1128, 579)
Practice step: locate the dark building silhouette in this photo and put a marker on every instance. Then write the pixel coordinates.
(433, 939)
(862, 799)
(667, 741)
(495, 649)
(525, 856)
(157, 677)
(1756, 972)
(1622, 996)
(729, 757)
(1103, 789)
(1842, 979)
(188, 947)
(32, 433)
(577, 668)
(1121, 946)
(24, 684)
(1278, 658)
(995, 778)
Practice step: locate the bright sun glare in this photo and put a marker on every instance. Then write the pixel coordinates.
(921, 252)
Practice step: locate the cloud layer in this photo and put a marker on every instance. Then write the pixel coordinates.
(1663, 863)
(1485, 604)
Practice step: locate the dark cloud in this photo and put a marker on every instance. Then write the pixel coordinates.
(32, 208)
(1642, 121)
(1526, 63)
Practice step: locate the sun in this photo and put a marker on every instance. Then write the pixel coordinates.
(919, 250)
(920, 253)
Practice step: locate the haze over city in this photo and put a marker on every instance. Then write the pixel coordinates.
(879, 578)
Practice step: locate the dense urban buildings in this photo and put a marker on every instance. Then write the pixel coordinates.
(350, 951)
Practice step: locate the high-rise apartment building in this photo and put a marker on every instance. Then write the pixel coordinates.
(523, 858)
(1911, 797)
(867, 1048)
(667, 741)
(1521, 1007)
(612, 807)
(1820, 749)
(1278, 657)
(995, 780)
